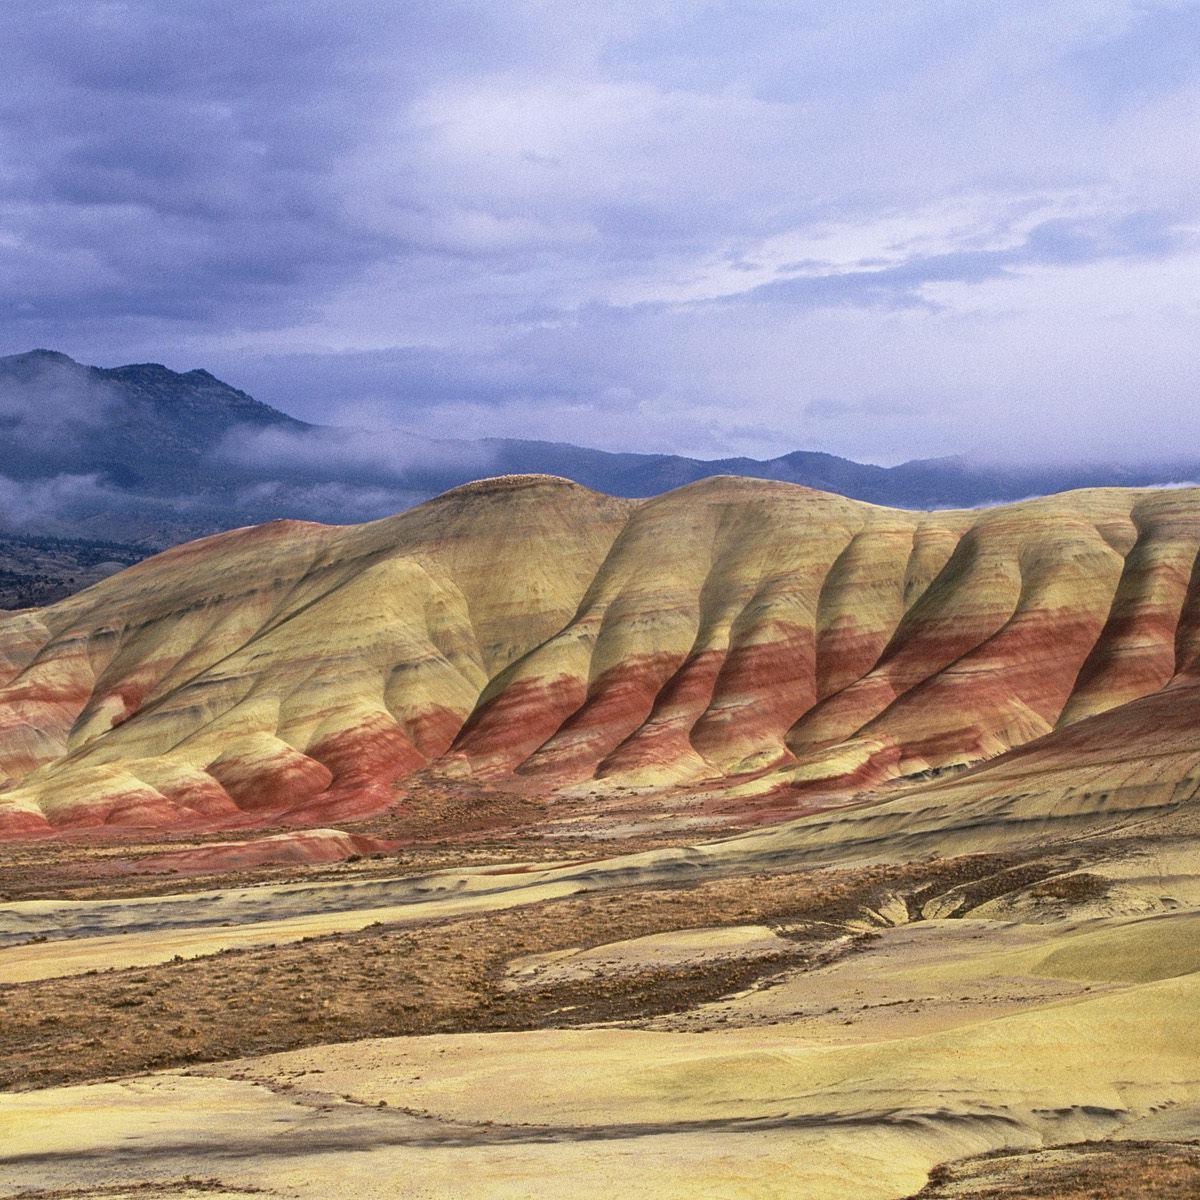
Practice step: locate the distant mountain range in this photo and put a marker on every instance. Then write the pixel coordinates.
(140, 457)
(794, 646)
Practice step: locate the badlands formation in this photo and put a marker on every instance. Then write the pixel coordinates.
(784, 648)
(747, 841)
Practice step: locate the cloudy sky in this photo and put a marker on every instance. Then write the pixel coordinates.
(883, 229)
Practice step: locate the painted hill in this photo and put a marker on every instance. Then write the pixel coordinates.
(749, 639)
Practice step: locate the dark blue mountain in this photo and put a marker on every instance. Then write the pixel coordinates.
(145, 456)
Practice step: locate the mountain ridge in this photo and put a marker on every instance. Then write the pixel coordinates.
(196, 460)
(140, 457)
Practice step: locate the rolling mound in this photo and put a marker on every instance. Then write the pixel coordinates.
(739, 636)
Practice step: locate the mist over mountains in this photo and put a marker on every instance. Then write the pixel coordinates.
(142, 457)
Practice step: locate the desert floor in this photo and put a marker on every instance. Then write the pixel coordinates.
(750, 1017)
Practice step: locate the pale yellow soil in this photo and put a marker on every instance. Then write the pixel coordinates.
(677, 948)
(850, 1081)
(935, 1018)
(146, 945)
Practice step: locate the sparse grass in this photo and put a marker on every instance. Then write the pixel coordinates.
(1121, 1170)
(437, 978)
(442, 827)
(176, 1187)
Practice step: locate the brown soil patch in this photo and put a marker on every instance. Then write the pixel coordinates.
(442, 829)
(1085, 1171)
(151, 1191)
(442, 977)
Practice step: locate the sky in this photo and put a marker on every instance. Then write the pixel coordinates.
(886, 230)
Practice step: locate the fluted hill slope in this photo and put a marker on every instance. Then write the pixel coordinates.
(738, 634)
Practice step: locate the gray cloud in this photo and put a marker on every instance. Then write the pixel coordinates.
(49, 409)
(1152, 53)
(1059, 242)
(42, 504)
(378, 459)
(667, 226)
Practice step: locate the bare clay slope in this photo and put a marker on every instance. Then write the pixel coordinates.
(740, 634)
